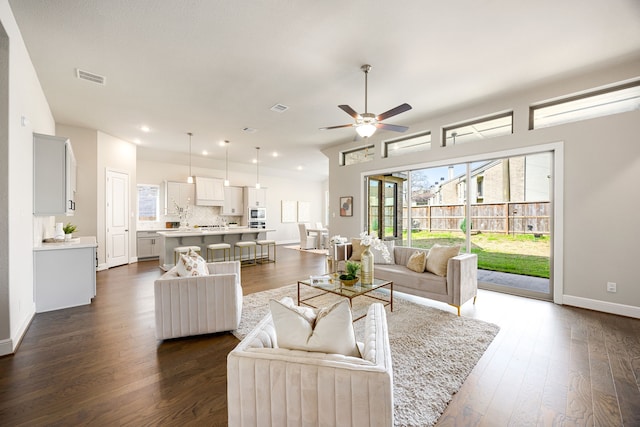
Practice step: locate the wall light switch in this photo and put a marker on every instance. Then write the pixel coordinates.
(611, 287)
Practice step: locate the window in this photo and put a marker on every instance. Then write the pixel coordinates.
(597, 103)
(407, 144)
(484, 128)
(357, 155)
(148, 202)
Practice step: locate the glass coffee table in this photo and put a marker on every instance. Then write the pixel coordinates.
(335, 287)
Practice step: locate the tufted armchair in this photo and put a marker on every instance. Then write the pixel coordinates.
(198, 304)
(271, 386)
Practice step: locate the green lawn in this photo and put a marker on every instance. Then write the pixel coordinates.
(520, 254)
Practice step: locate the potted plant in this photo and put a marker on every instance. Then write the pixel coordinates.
(68, 231)
(351, 274)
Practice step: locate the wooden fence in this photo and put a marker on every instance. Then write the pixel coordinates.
(505, 218)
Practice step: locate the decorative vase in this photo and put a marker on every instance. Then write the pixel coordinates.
(331, 265)
(366, 266)
(67, 237)
(58, 234)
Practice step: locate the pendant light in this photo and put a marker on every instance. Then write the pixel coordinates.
(257, 168)
(226, 163)
(190, 177)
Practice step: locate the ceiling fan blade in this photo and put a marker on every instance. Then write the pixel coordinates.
(337, 127)
(394, 112)
(350, 111)
(394, 128)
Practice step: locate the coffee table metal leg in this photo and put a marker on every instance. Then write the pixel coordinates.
(390, 296)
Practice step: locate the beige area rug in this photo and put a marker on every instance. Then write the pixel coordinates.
(432, 351)
(314, 251)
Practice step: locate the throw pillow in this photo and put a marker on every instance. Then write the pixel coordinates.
(438, 258)
(417, 261)
(328, 330)
(356, 250)
(378, 257)
(192, 264)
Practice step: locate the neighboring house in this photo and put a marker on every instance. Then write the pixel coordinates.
(515, 179)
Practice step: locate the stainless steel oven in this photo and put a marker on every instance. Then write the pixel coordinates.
(257, 224)
(257, 214)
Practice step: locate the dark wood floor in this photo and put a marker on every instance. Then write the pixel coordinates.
(102, 365)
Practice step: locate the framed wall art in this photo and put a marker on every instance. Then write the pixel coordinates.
(346, 206)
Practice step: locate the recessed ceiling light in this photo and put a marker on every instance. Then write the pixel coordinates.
(299, 168)
(250, 130)
(205, 152)
(274, 154)
(144, 128)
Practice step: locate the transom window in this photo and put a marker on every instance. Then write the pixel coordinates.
(357, 155)
(475, 130)
(407, 144)
(604, 102)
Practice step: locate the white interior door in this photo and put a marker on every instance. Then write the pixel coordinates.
(117, 218)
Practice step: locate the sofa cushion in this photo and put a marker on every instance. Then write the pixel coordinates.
(378, 255)
(438, 258)
(402, 277)
(417, 261)
(330, 331)
(192, 264)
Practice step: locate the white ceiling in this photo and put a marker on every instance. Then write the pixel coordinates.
(216, 67)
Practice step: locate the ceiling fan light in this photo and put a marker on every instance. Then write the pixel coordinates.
(366, 130)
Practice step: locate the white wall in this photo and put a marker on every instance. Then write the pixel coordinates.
(601, 172)
(26, 99)
(118, 155)
(158, 166)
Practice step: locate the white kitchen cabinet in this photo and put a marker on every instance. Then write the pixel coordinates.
(209, 191)
(233, 201)
(54, 176)
(255, 197)
(148, 244)
(181, 193)
(64, 274)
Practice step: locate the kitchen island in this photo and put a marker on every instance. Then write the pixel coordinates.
(169, 240)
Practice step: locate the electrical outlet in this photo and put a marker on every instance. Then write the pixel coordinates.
(611, 287)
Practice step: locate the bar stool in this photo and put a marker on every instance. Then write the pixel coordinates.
(224, 247)
(245, 244)
(183, 250)
(268, 244)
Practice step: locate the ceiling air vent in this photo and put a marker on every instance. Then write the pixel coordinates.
(279, 108)
(91, 77)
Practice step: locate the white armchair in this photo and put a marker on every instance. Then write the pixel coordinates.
(307, 241)
(198, 304)
(271, 386)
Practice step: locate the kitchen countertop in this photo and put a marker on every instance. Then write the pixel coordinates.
(76, 243)
(213, 232)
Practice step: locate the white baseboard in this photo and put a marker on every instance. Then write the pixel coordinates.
(606, 307)
(9, 346)
(133, 260)
(102, 267)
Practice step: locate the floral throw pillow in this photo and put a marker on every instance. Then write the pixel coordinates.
(192, 264)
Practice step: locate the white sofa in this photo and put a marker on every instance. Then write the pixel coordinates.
(271, 386)
(458, 286)
(198, 304)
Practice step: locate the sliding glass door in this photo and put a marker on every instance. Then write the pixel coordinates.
(499, 209)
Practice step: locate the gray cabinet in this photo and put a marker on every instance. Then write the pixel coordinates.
(233, 201)
(54, 176)
(148, 244)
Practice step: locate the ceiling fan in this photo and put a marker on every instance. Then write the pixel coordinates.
(367, 123)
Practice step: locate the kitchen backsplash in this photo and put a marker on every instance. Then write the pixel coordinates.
(200, 215)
